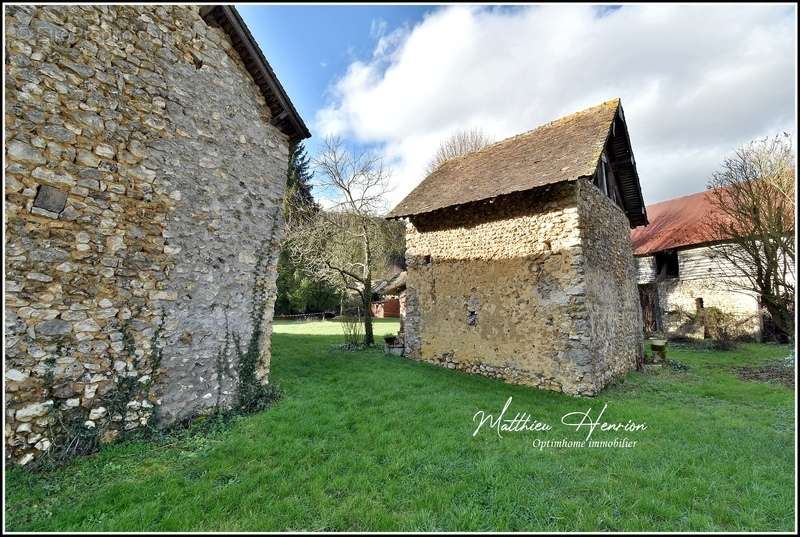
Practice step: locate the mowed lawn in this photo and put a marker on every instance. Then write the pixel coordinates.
(364, 441)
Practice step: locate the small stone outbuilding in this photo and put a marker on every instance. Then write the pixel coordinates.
(145, 167)
(519, 259)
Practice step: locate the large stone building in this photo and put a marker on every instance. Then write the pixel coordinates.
(146, 154)
(679, 275)
(519, 259)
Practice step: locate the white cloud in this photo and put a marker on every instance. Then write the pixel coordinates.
(377, 28)
(695, 81)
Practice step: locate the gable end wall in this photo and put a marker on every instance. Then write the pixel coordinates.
(145, 118)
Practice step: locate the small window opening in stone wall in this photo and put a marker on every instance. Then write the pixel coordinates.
(50, 199)
(667, 264)
(472, 311)
(426, 260)
(698, 303)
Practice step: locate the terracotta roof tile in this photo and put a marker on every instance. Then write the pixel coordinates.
(563, 150)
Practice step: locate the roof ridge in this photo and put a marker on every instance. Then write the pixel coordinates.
(561, 150)
(562, 119)
(670, 200)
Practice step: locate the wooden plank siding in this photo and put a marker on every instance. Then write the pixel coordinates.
(697, 263)
(645, 269)
(693, 264)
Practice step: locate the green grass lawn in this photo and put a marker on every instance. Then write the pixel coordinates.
(364, 441)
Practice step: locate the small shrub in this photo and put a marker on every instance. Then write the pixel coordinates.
(676, 365)
(258, 397)
(352, 323)
(390, 339)
(721, 329)
(353, 330)
(724, 344)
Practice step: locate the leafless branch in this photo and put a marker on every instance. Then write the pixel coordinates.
(460, 143)
(753, 224)
(344, 243)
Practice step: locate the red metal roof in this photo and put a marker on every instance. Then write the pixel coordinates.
(674, 223)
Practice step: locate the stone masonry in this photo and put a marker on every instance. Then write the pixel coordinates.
(704, 278)
(688, 289)
(614, 336)
(143, 192)
(537, 288)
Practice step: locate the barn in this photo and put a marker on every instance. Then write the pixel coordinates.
(520, 263)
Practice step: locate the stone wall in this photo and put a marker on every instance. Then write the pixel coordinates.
(500, 289)
(701, 276)
(677, 296)
(614, 332)
(141, 133)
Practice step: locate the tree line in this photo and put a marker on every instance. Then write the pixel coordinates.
(338, 245)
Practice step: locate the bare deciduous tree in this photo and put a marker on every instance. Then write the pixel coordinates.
(346, 242)
(460, 143)
(754, 223)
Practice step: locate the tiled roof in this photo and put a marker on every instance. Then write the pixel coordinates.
(563, 150)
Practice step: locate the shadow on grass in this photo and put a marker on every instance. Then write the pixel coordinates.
(363, 441)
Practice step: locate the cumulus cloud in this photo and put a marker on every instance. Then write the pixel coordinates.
(695, 81)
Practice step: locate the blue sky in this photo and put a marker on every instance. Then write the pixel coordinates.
(696, 81)
(309, 47)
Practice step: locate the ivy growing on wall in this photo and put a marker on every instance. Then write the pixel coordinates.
(74, 433)
(71, 432)
(251, 394)
(129, 388)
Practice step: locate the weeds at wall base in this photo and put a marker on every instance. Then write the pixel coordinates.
(86, 442)
(72, 432)
(73, 437)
